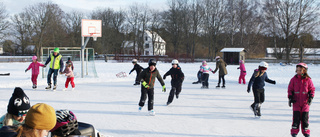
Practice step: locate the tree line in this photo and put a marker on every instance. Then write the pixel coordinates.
(191, 28)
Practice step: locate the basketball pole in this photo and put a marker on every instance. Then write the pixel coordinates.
(84, 44)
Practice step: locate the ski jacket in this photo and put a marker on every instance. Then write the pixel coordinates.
(149, 76)
(221, 65)
(242, 69)
(35, 67)
(56, 61)
(8, 120)
(68, 71)
(137, 68)
(176, 74)
(301, 89)
(205, 69)
(257, 80)
(7, 131)
(69, 61)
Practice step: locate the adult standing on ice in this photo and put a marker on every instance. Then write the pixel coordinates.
(56, 63)
(300, 94)
(257, 80)
(138, 69)
(243, 72)
(221, 65)
(148, 76)
(35, 71)
(177, 78)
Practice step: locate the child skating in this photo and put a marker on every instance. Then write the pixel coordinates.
(221, 65)
(148, 77)
(300, 94)
(205, 69)
(138, 69)
(177, 78)
(70, 77)
(35, 71)
(257, 81)
(243, 72)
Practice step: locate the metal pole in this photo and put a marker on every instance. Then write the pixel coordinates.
(87, 62)
(82, 55)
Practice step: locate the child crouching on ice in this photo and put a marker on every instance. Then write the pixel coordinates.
(70, 77)
(35, 71)
(300, 94)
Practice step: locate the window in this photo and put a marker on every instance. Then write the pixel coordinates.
(146, 38)
(147, 45)
(147, 52)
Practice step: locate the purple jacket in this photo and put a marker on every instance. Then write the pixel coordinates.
(301, 89)
(35, 67)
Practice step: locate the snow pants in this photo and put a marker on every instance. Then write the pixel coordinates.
(55, 74)
(175, 90)
(144, 93)
(137, 78)
(71, 81)
(223, 81)
(205, 78)
(34, 79)
(242, 78)
(300, 114)
(199, 76)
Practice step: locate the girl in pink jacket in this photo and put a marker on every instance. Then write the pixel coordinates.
(70, 76)
(35, 70)
(300, 94)
(243, 72)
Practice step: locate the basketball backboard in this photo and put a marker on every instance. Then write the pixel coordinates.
(91, 28)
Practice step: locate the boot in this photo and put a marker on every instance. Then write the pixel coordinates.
(294, 135)
(223, 86)
(49, 86)
(54, 87)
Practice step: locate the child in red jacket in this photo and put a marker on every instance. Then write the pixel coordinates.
(300, 94)
(35, 70)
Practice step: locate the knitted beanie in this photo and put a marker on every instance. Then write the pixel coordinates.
(41, 116)
(19, 102)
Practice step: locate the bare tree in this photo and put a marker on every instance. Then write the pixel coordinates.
(154, 27)
(4, 23)
(294, 17)
(73, 27)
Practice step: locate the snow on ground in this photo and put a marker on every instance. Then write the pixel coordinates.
(111, 104)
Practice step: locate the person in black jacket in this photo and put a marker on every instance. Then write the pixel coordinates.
(177, 78)
(138, 69)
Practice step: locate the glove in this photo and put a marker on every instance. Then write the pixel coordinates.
(238, 68)
(273, 82)
(164, 77)
(310, 100)
(163, 88)
(291, 100)
(145, 85)
(213, 72)
(44, 66)
(61, 73)
(129, 72)
(26, 70)
(248, 90)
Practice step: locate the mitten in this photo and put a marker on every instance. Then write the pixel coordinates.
(163, 88)
(164, 77)
(248, 90)
(129, 72)
(44, 66)
(310, 100)
(291, 100)
(26, 70)
(273, 82)
(144, 84)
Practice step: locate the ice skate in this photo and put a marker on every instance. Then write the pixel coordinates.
(253, 109)
(197, 82)
(48, 87)
(64, 89)
(135, 84)
(168, 103)
(72, 89)
(218, 86)
(152, 113)
(34, 87)
(54, 88)
(140, 108)
(223, 86)
(294, 135)
(306, 135)
(177, 96)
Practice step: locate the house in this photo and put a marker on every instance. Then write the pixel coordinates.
(233, 55)
(309, 53)
(153, 44)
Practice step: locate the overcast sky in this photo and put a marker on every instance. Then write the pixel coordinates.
(16, 6)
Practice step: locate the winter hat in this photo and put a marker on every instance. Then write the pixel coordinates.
(240, 61)
(67, 124)
(41, 116)
(218, 57)
(19, 103)
(56, 50)
(34, 57)
(204, 62)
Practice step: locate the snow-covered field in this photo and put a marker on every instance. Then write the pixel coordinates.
(111, 104)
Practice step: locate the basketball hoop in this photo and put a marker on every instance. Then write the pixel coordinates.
(94, 38)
